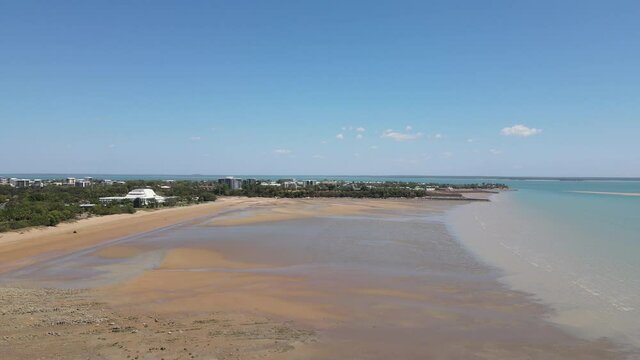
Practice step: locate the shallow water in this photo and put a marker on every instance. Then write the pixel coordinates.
(575, 251)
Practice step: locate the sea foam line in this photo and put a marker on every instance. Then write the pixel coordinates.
(605, 193)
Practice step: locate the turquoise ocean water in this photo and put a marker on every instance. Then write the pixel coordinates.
(578, 252)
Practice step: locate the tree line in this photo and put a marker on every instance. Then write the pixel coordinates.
(50, 205)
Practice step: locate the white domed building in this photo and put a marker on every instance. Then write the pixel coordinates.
(146, 197)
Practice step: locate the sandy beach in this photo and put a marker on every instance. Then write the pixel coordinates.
(20, 248)
(248, 278)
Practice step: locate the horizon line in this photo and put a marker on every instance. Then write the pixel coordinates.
(341, 175)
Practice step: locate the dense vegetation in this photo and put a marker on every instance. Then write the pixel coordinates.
(355, 190)
(49, 205)
(23, 207)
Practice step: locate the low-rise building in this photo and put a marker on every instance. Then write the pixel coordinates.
(83, 183)
(22, 183)
(231, 182)
(329, 182)
(292, 185)
(270, 183)
(309, 183)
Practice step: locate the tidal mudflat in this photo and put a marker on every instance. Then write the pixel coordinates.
(284, 279)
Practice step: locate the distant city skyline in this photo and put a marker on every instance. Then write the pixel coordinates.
(546, 88)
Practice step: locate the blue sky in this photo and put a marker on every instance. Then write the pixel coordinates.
(538, 88)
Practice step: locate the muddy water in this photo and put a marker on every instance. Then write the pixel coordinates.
(378, 282)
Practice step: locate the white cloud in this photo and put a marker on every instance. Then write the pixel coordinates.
(408, 128)
(282, 151)
(361, 129)
(405, 161)
(447, 154)
(340, 136)
(438, 136)
(401, 136)
(318, 157)
(195, 138)
(495, 152)
(469, 140)
(373, 147)
(359, 136)
(520, 130)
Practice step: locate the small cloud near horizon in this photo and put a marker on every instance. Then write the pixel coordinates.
(401, 136)
(282, 151)
(340, 136)
(195, 138)
(520, 130)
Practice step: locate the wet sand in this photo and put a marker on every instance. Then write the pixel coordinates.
(292, 279)
(24, 247)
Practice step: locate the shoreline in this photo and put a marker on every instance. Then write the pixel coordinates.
(251, 286)
(19, 247)
(581, 309)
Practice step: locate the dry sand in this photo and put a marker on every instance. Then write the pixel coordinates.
(68, 324)
(21, 248)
